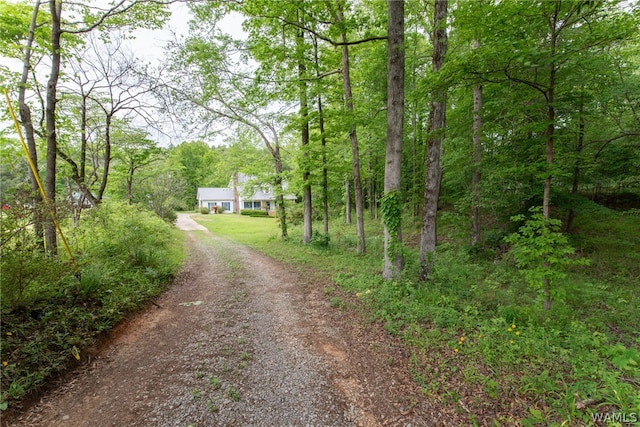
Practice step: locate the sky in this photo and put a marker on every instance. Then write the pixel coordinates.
(149, 44)
(149, 47)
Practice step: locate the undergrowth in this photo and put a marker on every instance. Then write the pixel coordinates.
(481, 339)
(50, 315)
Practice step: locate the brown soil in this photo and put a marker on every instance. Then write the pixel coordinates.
(240, 339)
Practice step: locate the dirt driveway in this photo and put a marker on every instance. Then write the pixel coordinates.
(240, 340)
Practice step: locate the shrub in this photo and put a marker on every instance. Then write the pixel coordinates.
(204, 210)
(320, 239)
(126, 256)
(542, 253)
(23, 264)
(254, 213)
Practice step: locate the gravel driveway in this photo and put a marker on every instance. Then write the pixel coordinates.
(239, 340)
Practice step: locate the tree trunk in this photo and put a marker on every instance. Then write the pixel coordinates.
(347, 201)
(550, 133)
(78, 174)
(437, 118)
(393, 258)
(50, 119)
(78, 177)
(107, 157)
(236, 197)
(27, 124)
(325, 170)
(130, 172)
(551, 118)
(274, 149)
(353, 137)
(282, 213)
(304, 115)
(370, 186)
(476, 173)
(575, 181)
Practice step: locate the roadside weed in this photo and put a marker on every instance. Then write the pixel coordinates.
(233, 394)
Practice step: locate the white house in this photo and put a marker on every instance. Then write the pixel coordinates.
(213, 198)
(234, 198)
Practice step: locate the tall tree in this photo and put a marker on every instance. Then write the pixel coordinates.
(134, 151)
(106, 82)
(323, 138)
(353, 135)
(391, 208)
(206, 76)
(476, 161)
(307, 231)
(126, 14)
(437, 117)
(55, 9)
(27, 124)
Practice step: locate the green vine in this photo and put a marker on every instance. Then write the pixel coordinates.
(391, 212)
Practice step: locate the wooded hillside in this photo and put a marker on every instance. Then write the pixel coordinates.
(455, 132)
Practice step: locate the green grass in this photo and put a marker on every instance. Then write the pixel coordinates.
(264, 235)
(477, 331)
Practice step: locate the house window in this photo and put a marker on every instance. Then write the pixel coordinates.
(253, 205)
(226, 206)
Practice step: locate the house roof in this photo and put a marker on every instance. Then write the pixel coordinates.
(215, 193)
(261, 195)
(208, 193)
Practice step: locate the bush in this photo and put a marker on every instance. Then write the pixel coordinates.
(204, 210)
(542, 253)
(320, 240)
(25, 267)
(254, 213)
(126, 256)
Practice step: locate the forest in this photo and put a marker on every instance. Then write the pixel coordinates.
(478, 162)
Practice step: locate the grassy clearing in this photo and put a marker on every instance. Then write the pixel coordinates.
(481, 341)
(263, 234)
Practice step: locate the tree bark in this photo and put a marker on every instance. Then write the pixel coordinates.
(476, 172)
(107, 157)
(323, 139)
(353, 137)
(393, 258)
(551, 113)
(575, 179)
(437, 119)
(325, 171)
(29, 132)
(50, 119)
(347, 201)
(282, 213)
(307, 232)
(236, 196)
(550, 133)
